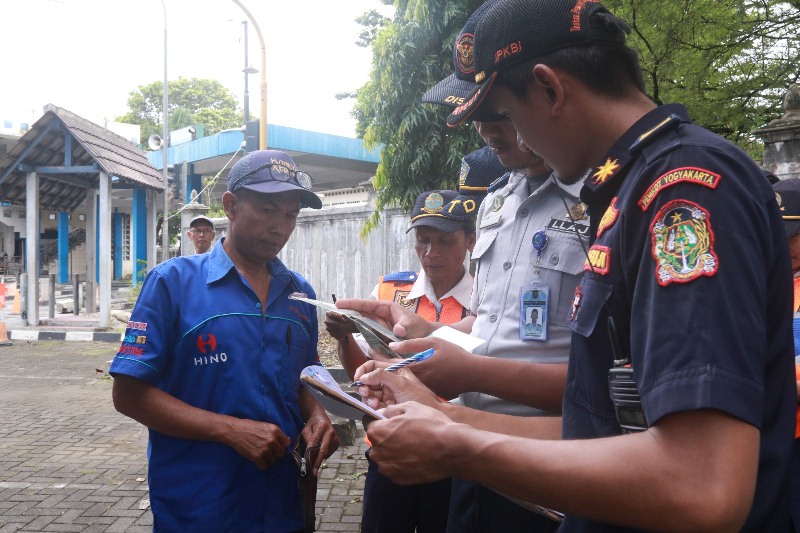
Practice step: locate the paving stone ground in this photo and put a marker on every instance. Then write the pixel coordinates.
(69, 462)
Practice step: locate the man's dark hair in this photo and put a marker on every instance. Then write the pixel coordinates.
(606, 68)
(468, 227)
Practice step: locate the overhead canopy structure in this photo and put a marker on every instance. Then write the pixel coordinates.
(68, 153)
(62, 162)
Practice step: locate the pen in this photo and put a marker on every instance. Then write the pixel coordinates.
(421, 356)
(334, 298)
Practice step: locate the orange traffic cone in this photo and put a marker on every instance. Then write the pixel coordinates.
(16, 306)
(3, 332)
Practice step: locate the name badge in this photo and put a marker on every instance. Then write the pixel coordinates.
(533, 305)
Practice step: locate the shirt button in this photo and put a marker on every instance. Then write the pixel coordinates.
(258, 305)
(554, 260)
(492, 318)
(523, 213)
(506, 265)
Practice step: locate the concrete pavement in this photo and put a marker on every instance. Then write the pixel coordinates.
(69, 462)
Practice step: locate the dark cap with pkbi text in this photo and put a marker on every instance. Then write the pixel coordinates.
(515, 30)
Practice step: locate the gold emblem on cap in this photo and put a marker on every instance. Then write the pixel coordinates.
(480, 76)
(780, 201)
(464, 57)
(433, 203)
(462, 175)
(578, 212)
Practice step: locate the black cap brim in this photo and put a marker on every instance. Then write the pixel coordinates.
(437, 221)
(467, 110)
(307, 198)
(451, 91)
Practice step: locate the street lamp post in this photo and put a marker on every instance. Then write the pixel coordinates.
(262, 135)
(247, 71)
(165, 148)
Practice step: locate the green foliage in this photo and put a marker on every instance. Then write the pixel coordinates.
(191, 101)
(728, 61)
(411, 53)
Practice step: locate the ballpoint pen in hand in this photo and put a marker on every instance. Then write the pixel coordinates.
(421, 356)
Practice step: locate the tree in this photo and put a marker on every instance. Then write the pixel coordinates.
(728, 61)
(191, 101)
(412, 52)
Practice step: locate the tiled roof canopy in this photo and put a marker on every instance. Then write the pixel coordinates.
(68, 152)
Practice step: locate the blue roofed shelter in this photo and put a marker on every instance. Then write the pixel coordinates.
(65, 164)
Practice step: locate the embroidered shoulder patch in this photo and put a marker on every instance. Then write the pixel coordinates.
(605, 171)
(683, 243)
(700, 176)
(609, 217)
(599, 260)
(400, 298)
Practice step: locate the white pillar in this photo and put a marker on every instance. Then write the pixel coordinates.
(32, 246)
(91, 243)
(105, 249)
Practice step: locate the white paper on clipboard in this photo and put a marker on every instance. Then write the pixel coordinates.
(330, 395)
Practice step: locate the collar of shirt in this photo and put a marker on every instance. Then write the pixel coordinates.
(619, 156)
(220, 265)
(461, 292)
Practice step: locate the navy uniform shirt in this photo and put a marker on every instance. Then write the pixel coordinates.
(690, 258)
(199, 333)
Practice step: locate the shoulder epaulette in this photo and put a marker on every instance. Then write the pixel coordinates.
(669, 123)
(407, 275)
(499, 183)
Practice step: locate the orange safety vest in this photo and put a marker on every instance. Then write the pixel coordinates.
(395, 288)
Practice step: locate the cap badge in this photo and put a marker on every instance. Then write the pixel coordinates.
(464, 55)
(462, 175)
(433, 203)
(780, 201)
(606, 171)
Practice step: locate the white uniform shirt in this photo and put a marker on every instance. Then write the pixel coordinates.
(505, 261)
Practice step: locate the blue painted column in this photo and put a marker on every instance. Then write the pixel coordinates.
(63, 247)
(139, 237)
(117, 217)
(194, 181)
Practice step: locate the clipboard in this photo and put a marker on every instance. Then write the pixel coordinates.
(377, 336)
(330, 395)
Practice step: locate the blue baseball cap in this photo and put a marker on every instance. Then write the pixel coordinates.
(272, 171)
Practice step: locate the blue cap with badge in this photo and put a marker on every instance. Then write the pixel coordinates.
(272, 171)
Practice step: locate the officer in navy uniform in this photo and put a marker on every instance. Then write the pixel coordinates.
(686, 231)
(444, 231)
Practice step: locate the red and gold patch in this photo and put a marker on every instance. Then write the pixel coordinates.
(606, 171)
(400, 297)
(683, 243)
(700, 176)
(464, 53)
(599, 260)
(609, 217)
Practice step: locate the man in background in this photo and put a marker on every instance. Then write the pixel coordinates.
(201, 233)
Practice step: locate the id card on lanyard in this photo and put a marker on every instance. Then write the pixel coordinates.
(534, 298)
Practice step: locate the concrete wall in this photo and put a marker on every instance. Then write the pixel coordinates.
(326, 248)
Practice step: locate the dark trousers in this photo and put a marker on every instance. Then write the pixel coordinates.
(392, 508)
(794, 487)
(476, 509)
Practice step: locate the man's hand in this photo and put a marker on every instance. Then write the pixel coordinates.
(449, 372)
(400, 320)
(408, 447)
(259, 442)
(380, 388)
(318, 429)
(338, 326)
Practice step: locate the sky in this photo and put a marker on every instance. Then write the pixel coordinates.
(86, 56)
